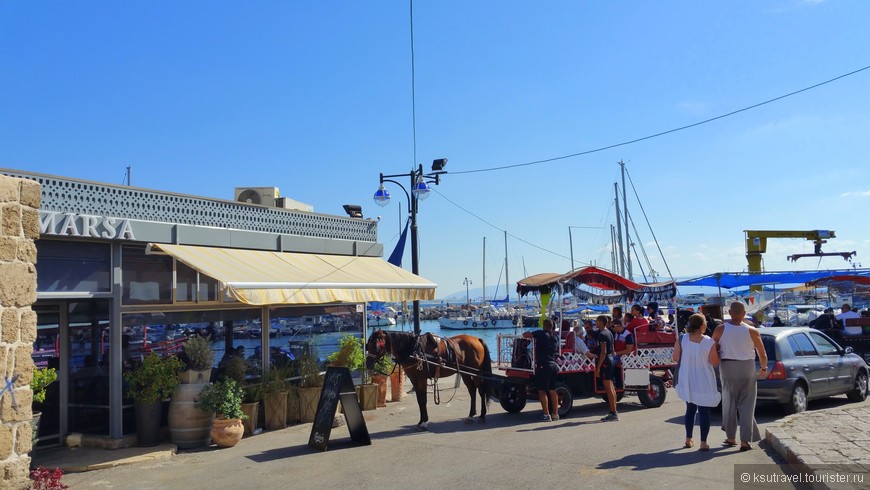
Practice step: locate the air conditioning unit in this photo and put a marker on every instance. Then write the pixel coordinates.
(264, 196)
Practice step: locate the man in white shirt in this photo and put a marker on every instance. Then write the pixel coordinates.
(846, 314)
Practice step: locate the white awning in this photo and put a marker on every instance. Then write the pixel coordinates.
(259, 277)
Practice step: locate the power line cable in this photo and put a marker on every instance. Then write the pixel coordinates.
(501, 230)
(656, 135)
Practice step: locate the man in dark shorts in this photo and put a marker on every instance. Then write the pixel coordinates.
(546, 348)
(605, 365)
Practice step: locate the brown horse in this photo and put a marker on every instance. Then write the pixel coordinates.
(429, 356)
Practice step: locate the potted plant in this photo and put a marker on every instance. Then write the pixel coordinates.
(39, 384)
(189, 427)
(149, 384)
(198, 360)
(252, 393)
(274, 386)
(224, 399)
(309, 386)
(382, 370)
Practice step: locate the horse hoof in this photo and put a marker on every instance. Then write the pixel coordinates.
(423, 426)
(469, 420)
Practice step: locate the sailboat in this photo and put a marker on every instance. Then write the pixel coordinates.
(487, 316)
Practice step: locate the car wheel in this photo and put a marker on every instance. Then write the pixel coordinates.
(798, 401)
(859, 392)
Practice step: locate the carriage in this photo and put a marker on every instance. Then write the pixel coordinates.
(647, 371)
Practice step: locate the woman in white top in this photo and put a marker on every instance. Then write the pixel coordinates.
(696, 385)
(738, 344)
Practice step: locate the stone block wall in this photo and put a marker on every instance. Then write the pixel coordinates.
(19, 227)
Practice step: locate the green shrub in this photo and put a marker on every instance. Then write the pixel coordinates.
(199, 354)
(155, 379)
(41, 379)
(223, 398)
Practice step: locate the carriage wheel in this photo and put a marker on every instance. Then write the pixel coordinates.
(654, 395)
(566, 399)
(513, 396)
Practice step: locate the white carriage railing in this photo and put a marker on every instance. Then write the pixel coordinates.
(641, 358)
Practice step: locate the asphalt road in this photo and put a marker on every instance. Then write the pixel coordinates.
(643, 450)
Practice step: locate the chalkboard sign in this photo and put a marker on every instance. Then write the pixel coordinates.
(338, 385)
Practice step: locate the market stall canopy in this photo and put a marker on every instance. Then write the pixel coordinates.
(259, 277)
(730, 280)
(616, 288)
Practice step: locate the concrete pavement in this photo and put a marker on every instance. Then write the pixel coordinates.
(510, 449)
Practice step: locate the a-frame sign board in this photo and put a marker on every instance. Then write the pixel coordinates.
(338, 385)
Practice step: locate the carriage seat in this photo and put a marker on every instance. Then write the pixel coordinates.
(644, 338)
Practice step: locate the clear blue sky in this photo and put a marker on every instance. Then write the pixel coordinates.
(315, 98)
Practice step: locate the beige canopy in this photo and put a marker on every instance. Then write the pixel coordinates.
(259, 277)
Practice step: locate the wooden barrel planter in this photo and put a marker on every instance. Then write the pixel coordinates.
(189, 426)
(252, 411)
(308, 399)
(276, 410)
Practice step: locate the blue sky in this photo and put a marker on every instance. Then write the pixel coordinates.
(315, 98)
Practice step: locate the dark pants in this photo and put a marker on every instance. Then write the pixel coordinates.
(704, 415)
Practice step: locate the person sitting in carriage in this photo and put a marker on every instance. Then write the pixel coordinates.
(623, 341)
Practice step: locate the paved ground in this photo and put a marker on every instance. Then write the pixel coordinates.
(643, 450)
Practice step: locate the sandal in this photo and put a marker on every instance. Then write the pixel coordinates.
(689, 443)
(726, 442)
(704, 447)
(745, 448)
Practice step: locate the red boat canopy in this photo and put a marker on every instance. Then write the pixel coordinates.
(606, 281)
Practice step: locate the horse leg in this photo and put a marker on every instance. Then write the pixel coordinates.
(469, 384)
(420, 389)
(484, 400)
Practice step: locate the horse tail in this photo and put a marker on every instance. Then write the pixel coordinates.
(488, 384)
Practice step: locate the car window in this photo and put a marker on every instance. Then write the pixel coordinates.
(801, 345)
(826, 348)
(769, 342)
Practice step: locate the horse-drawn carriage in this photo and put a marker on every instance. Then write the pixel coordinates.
(646, 371)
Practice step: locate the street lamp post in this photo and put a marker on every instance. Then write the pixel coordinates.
(419, 190)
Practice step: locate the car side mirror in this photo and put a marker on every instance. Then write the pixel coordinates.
(848, 350)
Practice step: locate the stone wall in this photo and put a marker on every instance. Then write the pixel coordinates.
(19, 227)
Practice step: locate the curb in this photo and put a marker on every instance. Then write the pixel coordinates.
(83, 466)
(798, 457)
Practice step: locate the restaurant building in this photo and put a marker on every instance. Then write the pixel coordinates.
(122, 271)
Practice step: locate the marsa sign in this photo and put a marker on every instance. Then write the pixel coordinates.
(83, 225)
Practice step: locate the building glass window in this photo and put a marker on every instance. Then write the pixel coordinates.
(188, 280)
(70, 266)
(147, 278)
(88, 366)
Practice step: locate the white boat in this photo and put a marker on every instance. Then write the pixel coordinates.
(474, 322)
(380, 321)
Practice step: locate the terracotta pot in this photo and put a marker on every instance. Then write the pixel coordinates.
(381, 381)
(252, 411)
(276, 410)
(227, 432)
(397, 381)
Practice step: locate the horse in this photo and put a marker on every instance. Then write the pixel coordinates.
(429, 356)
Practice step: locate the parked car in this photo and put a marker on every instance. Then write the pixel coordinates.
(805, 364)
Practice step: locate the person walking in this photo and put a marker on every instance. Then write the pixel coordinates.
(696, 384)
(738, 344)
(546, 349)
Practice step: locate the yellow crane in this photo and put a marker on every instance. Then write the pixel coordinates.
(756, 244)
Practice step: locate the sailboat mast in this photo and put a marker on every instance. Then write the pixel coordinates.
(483, 297)
(620, 258)
(625, 215)
(506, 282)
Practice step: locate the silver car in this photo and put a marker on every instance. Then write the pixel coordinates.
(805, 364)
